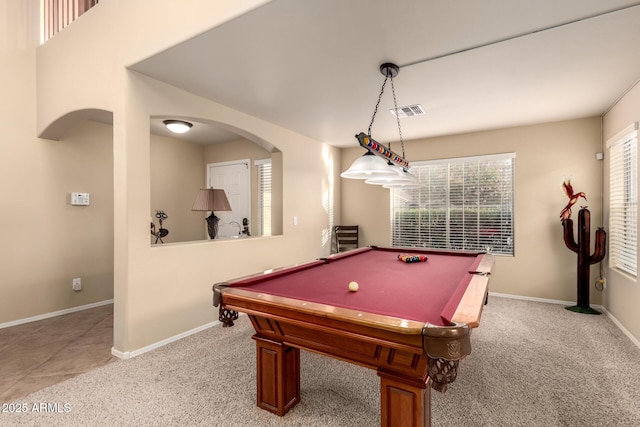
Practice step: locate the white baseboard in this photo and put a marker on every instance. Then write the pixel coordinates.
(54, 314)
(597, 307)
(130, 354)
(550, 301)
(622, 328)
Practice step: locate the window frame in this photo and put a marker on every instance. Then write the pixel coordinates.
(264, 207)
(623, 201)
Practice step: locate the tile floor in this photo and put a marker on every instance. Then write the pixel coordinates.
(39, 354)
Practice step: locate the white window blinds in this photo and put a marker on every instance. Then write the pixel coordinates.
(623, 200)
(463, 204)
(264, 196)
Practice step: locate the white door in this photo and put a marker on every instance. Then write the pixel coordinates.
(234, 178)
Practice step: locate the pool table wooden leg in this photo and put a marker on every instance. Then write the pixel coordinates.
(404, 403)
(278, 375)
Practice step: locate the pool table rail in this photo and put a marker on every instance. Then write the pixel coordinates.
(239, 299)
(469, 309)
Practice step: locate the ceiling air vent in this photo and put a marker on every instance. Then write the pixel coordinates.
(409, 111)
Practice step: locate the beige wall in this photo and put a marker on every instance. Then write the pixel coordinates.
(107, 38)
(622, 295)
(542, 266)
(177, 172)
(159, 291)
(165, 290)
(47, 242)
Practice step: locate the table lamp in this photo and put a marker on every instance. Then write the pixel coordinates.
(211, 199)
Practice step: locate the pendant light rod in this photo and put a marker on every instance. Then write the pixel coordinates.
(380, 165)
(376, 148)
(389, 71)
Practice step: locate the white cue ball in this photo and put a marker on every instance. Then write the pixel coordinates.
(353, 286)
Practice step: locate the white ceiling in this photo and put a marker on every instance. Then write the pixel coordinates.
(312, 66)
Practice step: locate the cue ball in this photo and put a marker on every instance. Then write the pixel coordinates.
(353, 286)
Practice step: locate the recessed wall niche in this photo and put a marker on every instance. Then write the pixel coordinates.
(179, 170)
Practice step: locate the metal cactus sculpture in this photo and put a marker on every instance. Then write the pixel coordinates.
(582, 247)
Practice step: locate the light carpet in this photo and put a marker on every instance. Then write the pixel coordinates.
(532, 364)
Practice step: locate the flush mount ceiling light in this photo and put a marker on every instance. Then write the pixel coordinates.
(177, 126)
(379, 165)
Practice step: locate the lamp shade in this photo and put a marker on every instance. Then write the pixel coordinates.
(211, 199)
(368, 166)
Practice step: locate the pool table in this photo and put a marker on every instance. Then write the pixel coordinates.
(410, 321)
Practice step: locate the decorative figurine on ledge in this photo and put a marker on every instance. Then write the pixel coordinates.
(245, 227)
(582, 247)
(162, 232)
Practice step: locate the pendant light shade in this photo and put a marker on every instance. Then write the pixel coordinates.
(368, 166)
(399, 176)
(402, 185)
(405, 182)
(379, 165)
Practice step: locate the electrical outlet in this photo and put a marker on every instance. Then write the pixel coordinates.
(76, 284)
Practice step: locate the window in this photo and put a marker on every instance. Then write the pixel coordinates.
(623, 200)
(264, 196)
(463, 204)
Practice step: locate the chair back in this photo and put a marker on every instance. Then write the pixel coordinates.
(346, 237)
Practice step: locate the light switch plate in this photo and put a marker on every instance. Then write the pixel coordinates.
(80, 199)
